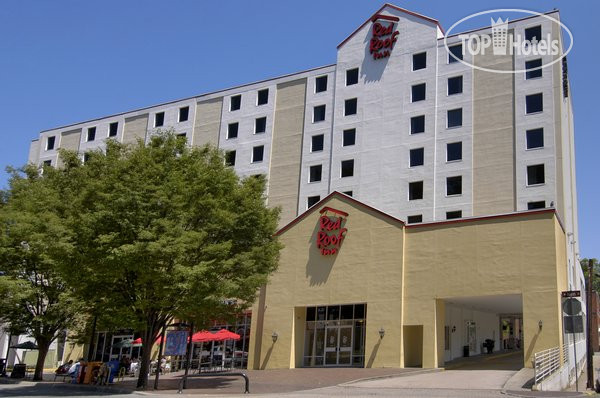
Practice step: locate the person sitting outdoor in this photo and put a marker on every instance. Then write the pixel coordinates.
(134, 367)
(64, 368)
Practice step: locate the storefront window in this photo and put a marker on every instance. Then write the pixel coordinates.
(338, 340)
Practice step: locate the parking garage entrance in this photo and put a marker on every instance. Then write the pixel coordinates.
(482, 325)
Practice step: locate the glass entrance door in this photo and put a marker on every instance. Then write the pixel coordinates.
(338, 345)
(118, 351)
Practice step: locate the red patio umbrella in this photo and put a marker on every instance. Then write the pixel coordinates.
(225, 334)
(206, 336)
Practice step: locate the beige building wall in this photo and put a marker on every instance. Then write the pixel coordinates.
(208, 122)
(135, 128)
(286, 148)
(517, 254)
(367, 269)
(34, 152)
(493, 135)
(69, 140)
(405, 275)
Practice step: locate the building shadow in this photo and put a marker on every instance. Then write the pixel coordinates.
(319, 266)
(373, 354)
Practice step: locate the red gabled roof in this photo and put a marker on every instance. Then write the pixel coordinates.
(327, 198)
(376, 15)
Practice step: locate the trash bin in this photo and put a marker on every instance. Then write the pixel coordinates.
(114, 369)
(18, 371)
(465, 351)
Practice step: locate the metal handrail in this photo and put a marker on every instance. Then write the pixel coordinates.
(546, 362)
(184, 378)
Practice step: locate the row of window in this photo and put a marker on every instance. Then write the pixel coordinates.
(182, 116)
(258, 154)
(260, 127)
(262, 98)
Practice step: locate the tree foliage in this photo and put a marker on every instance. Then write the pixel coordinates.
(596, 269)
(162, 230)
(34, 242)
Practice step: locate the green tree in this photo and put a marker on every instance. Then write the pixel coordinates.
(163, 230)
(33, 241)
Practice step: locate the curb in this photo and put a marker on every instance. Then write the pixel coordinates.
(403, 374)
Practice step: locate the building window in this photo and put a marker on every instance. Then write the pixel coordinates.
(454, 185)
(450, 215)
(50, 143)
(536, 205)
(321, 84)
(418, 92)
(318, 113)
(47, 163)
(262, 97)
(455, 54)
(260, 125)
(159, 119)
(230, 158)
(349, 137)
(112, 129)
(232, 130)
(535, 138)
(455, 118)
(86, 157)
(419, 61)
(351, 76)
(317, 143)
(349, 193)
(534, 103)
(417, 124)
(533, 69)
(315, 173)
(312, 200)
(533, 34)
(91, 133)
(535, 174)
(182, 135)
(414, 219)
(415, 190)
(184, 113)
(454, 151)
(347, 168)
(258, 153)
(455, 85)
(235, 103)
(350, 106)
(417, 157)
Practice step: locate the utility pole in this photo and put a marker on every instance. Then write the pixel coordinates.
(590, 352)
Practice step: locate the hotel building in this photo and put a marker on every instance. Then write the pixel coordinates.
(454, 187)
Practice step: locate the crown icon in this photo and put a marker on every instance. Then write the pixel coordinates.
(499, 36)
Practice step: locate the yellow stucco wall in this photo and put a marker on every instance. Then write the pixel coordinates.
(512, 255)
(405, 274)
(367, 269)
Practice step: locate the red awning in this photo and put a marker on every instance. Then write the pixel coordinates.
(206, 336)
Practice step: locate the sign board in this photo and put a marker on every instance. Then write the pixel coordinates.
(571, 293)
(571, 306)
(176, 342)
(573, 324)
(331, 231)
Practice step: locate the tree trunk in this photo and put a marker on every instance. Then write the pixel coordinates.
(43, 347)
(147, 340)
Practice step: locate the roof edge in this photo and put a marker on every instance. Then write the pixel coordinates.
(327, 198)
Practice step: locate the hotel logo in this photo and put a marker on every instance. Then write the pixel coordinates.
(502, 39)
(384, 36)
(331, 231)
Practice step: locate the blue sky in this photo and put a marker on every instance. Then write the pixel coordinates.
(63, 62)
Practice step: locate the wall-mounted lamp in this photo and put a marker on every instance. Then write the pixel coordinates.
(540, 324)
(381, 332)
(274, 336)
(453, 329)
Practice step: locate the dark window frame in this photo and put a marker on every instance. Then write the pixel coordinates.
(350, 78)
(347, 168)
(320, 137)
(116, 129)
(531, 136)
(534, 174)
(533, 71)
(413, 92)
(237, 100)
(91, 134)
(450, 112)
(255, 153)
(416, 190)
(314, 199)
(459, 89)
(260, 97)
(230, 158)
(320, 79)
(457, 144)
(414, 219)
(453, 215)
(454, 184)
(457, 54)
(231, 129)
(186, 113)
(263, 121)
(50, 143)
(413, 123)
(350, 106)
(159, 116)
(419, 157)
(313, 171)
(421, 62)
(319, 107)
(533, 105)
(347, 136)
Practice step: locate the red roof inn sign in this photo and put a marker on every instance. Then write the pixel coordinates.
(331, 233)
(384, 37)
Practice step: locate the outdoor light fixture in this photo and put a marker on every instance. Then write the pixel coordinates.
(274, 336)
(540, 324)
(381, 333)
